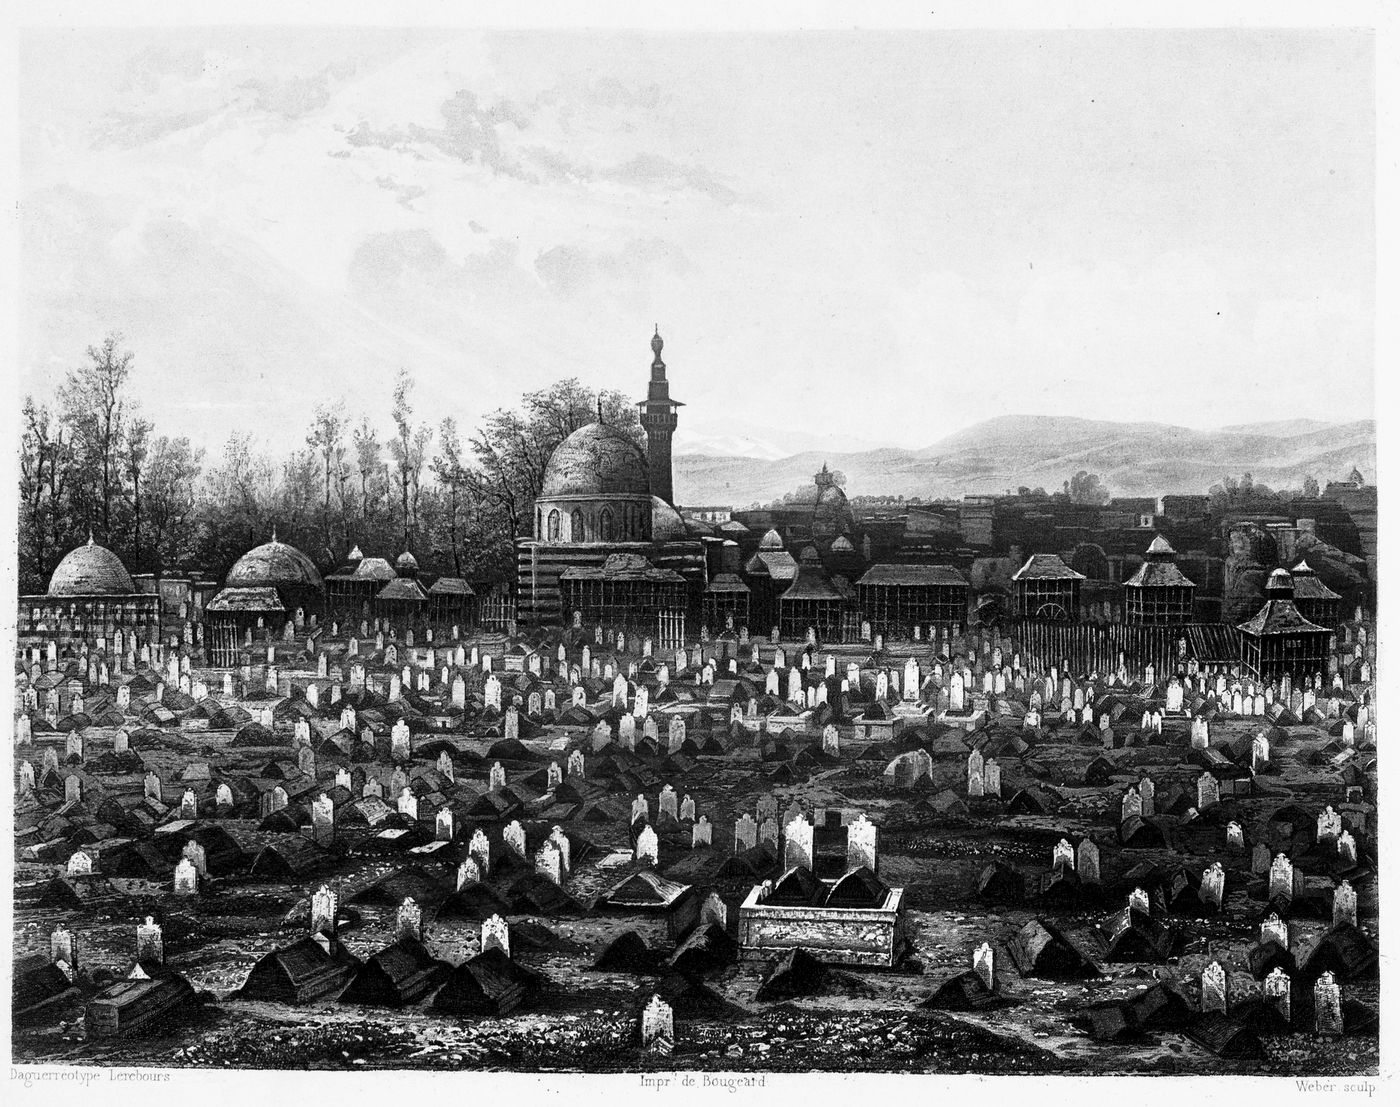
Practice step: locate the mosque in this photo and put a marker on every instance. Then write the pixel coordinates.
(609, 547)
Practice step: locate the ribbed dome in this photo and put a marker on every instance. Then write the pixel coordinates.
(596, 460)
(271, 564)
(91, 570)
(771, 541)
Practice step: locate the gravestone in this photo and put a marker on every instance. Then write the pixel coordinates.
(513, 838)
(1278, 990)
(982, 965)
(468, 872)
(186, 878)
(745, 833)
(797, 843)
(1327, 1006)
(1088, 862)
(323, 820)
(657, 1027)
(549, 863)
(1063, 856)
(495, 934)
(1213, 885)
(1281, 877)
(480, 851)
(1213, 996)
(646, 848)
(862, 837)
(150, 945)
(1344, 904)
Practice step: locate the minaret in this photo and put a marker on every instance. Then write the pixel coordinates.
(658, 418)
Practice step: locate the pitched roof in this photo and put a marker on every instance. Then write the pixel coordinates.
(623, 566)
(1158, 574)
(1279, 617)
(246, 599)
(403, 589)
(451, 586)
(778, 564)
(913, 576)
(1046, 567)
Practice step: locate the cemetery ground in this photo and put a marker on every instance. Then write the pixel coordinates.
(586, 1019)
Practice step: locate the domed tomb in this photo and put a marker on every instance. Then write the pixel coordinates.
(596, 489)
(91, 570)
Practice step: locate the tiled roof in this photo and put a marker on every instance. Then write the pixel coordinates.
(914, 576)
(1046, 567)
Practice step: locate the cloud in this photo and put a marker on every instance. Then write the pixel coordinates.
(570, 270)
(290, 97)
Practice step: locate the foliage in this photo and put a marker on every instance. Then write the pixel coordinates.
(457, 499)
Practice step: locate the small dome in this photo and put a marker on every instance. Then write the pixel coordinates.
(596, 460)
(406, 565)
(666, 522)
(842, 545)
(355, 555)
(272, 564)
(1280, 580)
(809, 556)
(771, 541)
(1160, 548)
(91, 570)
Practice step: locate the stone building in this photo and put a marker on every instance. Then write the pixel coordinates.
(597, 501)
(1158, 594)
(267, 587)
(1278, 641)
(90, 595)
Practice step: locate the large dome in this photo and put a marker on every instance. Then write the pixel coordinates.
(596, 460)
(91, 570)
(271, 565)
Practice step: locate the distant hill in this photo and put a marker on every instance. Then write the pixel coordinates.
(1133, 459)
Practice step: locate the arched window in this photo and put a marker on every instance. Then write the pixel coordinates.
(576, 526)
(554, 526)
(605, 525)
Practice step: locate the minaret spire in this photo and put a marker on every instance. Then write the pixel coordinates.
(658, 418)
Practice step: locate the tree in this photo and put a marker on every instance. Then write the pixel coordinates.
(1310, 488)
(408, 448)
(44, 470)
(324, 438)
(1086, 488)
(94, 407)
(133, 464)
(452, 475)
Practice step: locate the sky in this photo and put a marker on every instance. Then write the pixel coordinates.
(847, 239)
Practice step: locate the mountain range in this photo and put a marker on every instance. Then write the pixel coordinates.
(1132, 459)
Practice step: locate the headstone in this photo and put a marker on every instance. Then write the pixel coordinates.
(657, 1029)
(982, 965)
(513, 837)
(1088, 862)
(646, 848)
(480, 851)
(1281, 877)
(150, 946)
(1327, 1006)
(1278, 990)
(1213, 988)
(797, 843)
(186, 878)
(745, 833)
(495, 934)
(1213, 885)
(1344, 904)
(323, 820)
(862, 837)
